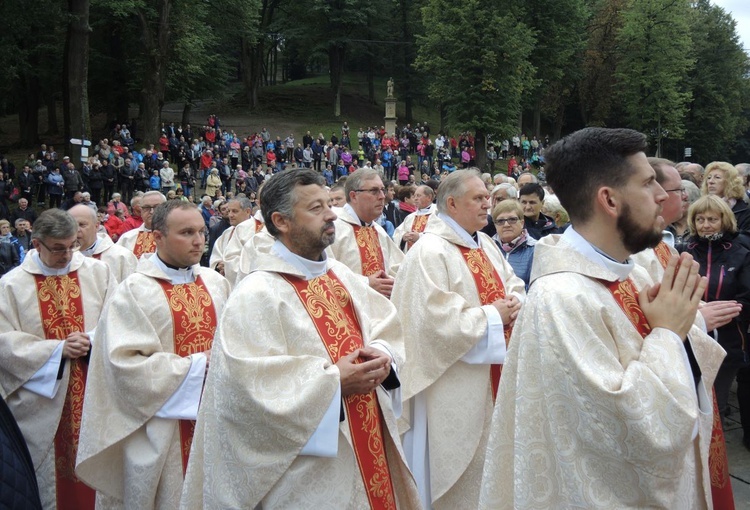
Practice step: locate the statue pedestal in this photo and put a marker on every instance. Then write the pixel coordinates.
(390, 115)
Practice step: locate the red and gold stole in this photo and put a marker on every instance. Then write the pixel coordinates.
(490, 288)
(144, 243)
(61, 309)
(663, 253)
(97, 256)
(721, 488)
(194, 324)
(420, 222)
(370, 253)
(718, 464)
(258, 226)
(330, 307)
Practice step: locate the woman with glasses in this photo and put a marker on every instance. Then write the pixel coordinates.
(512, 239)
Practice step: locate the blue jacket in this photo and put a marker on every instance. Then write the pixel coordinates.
(520, 257)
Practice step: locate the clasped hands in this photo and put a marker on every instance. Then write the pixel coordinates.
(364, 376)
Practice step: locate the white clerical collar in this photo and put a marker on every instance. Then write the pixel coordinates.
(50, 271)
(176, 276)
(88, 252)
(310, 268)
(349, 209)
(426, 210)
(595, 255)
(462, 233)
(667, 237)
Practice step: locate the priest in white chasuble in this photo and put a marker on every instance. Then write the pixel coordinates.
(141, 240)
(361, 244)
(605, 399)
(457, 298)
(49, 310)
(152, 351)
(239, 210)
(413, 226)
(121, 262)
(300, 405)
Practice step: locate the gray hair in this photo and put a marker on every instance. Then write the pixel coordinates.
(55, 224)
(533, 177)
(154, 193)
(454, 186)
(693, 191)
(245, 203)
(279, 193)
(356, 178)
(510, 190)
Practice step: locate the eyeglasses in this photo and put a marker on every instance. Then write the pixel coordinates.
(503, 221)
(60, 251)
(147, 208)
(374, 191)
(676, 190)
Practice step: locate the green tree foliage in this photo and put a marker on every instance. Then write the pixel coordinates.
(718, 112)
(652, 69)
(561, 38)
(475, 55)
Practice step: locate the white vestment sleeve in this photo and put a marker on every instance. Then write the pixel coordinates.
(707, 405)
(396, 404)
(91, 336)
(491, 348)
(45, 382)
(183, 404)
(325, 440)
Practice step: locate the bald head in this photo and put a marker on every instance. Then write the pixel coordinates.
(87, 225)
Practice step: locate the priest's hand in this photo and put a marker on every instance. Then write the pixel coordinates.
(77, 344)
(411, 237)
(673, 303)
(381, 282)
(719, 313)
(508, 307)
(361, 378)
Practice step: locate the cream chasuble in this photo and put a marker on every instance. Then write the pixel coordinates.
(447, 373)
(233, 249)
(217, 254)
(121, 261)
(131, 448)
(349, 247)
(415, 222)
(590, 414)
(139, 241)
(270, 386)
(26, 352)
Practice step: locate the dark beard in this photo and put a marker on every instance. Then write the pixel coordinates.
(634, 237)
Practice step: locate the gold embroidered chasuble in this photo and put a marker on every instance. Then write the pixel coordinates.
(330, 307)
(364, 250)
(414, 222)
(140, 241)
(36, 312)
(276, 378)
(606, 415)
(444, 325)
(121, 261)
(131, 456)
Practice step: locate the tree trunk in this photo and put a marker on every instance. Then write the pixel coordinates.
(559, 122)
(49, 101)
(370, 80)
(480, 147)
(27, 94)
(443, 117)
(186, 112)
(336, 55)
(537, 129)
(156, 47)
(75, 70)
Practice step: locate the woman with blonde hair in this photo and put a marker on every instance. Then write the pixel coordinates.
(715, 244)
(724, 181)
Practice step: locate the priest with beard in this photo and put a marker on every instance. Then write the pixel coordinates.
(605, 397)
(300, 406)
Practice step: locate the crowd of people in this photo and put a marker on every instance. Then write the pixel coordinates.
(540, 337)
